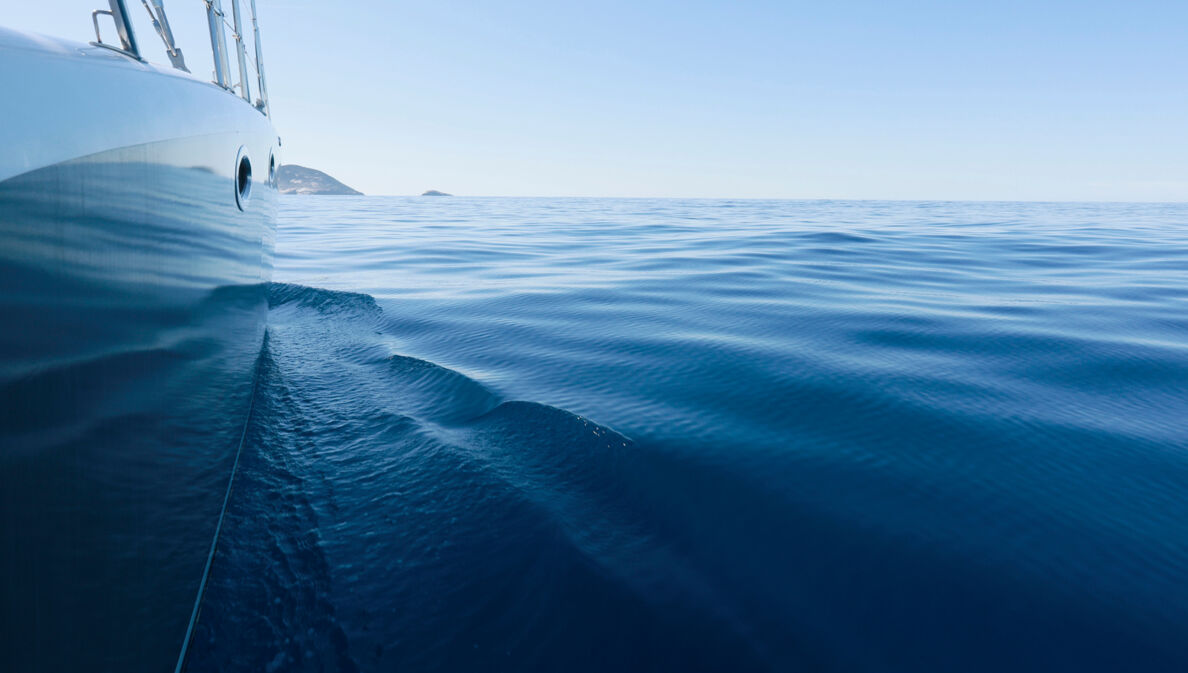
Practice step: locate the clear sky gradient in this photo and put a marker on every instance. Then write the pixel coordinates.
(1053, 100)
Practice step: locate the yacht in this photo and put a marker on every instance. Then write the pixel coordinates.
(137, 215)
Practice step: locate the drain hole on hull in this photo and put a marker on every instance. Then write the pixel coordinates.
(243, 179)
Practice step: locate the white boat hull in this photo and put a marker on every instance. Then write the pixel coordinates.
(133, 295)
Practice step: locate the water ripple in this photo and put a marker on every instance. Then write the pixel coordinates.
(593, 434)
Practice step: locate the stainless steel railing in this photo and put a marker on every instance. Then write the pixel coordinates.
(123, 25)
(218, 25)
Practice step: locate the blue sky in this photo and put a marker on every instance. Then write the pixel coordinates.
(1006, 100)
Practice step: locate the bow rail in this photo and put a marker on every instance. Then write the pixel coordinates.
(248, 63)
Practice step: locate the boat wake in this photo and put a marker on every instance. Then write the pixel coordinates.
(390, 512)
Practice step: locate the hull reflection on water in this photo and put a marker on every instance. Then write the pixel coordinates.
(133, 293)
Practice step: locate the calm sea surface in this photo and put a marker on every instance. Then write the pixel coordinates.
(601, 434)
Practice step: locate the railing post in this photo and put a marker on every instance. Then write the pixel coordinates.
(240, 53)
(263, 88)
(123, 24)
(218, 42)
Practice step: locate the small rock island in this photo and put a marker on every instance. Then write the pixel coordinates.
(434, 192)
(294, 179)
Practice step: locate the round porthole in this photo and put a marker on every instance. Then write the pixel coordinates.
(243, 179)
(272, 177)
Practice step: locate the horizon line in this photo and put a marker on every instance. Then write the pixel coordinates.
(755, 198)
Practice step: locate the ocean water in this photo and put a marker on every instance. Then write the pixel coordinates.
(599, 434)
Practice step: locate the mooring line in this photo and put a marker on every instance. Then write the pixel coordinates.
(181, 657)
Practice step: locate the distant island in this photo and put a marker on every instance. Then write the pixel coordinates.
(294, 179)
(434, 192)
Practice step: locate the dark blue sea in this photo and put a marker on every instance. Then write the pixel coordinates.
(670, 435)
